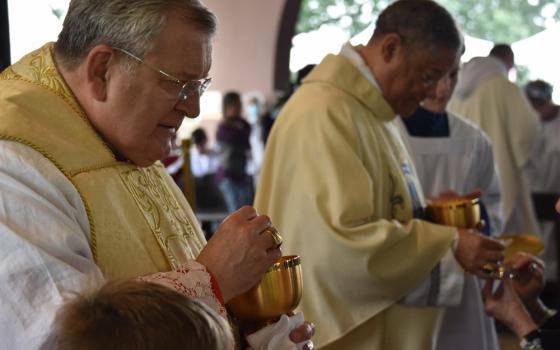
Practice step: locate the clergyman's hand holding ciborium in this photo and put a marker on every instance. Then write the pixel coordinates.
(464, 212)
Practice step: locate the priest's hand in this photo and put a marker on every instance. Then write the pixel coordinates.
(302, 334)
(238, 254)
(273, 335)
(476, 252)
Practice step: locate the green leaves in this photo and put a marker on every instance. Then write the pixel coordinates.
(495, 20)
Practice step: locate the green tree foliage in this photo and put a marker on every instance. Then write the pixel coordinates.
(495, 20)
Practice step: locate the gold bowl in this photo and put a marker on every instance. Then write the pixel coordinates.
(463, 212)
(515, 243)
(522, 243)
(279, 292)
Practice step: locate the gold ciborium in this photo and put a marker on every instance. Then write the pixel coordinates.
(278, 293)
(461, 212)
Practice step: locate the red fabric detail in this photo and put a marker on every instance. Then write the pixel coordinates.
(216, 289)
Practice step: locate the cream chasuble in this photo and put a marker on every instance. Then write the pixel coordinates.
(339, 185)
(140, 222)
(502, 111)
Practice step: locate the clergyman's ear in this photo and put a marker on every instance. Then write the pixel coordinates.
(98, 67)
(390, 45)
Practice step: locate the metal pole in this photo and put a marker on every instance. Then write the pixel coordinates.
(5, 60)
(284, 44)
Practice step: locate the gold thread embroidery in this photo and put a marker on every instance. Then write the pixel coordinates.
(157, 205)
(9, 74)
(97, 167)
(45, 74)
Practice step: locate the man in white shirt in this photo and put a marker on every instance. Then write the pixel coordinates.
(544, 167)
(452, 155)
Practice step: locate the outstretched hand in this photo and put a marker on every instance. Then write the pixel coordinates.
(529, 276)
(505, 305)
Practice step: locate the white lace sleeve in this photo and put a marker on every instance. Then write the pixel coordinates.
(193, 280)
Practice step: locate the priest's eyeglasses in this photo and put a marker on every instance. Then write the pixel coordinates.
(186, 87)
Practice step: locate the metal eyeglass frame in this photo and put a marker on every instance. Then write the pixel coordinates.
(188, 87)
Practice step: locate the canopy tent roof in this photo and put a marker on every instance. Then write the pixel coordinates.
(540, 54)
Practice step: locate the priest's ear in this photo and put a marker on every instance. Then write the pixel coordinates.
(99, 64)
(391, 44)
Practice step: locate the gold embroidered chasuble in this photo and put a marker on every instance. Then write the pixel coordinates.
(339, 184)
(140, 222)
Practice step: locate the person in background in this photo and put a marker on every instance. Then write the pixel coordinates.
(453, 156)
(233, 141)
(136, 315)
(340, 185)
(253, 114)
(208, 197)
(486, 97)
(204, 159)
(267, 120)
(544, 167)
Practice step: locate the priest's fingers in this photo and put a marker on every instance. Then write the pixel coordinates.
(303, 333)
(269, 239)
(245, 213)
(491, 257)
(258, 224)
(474, 250)
(491, 243)
(240, 216)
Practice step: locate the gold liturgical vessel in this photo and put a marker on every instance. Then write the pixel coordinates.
(464, 212)
(279, 292)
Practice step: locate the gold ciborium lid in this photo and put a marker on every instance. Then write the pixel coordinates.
(279, 292)
(461, 212)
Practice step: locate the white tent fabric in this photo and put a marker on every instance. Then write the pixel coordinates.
(540, 54)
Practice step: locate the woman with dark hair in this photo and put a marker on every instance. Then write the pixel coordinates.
(233, 141)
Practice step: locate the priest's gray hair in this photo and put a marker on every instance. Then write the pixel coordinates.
(127, 24)
(419, 23)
